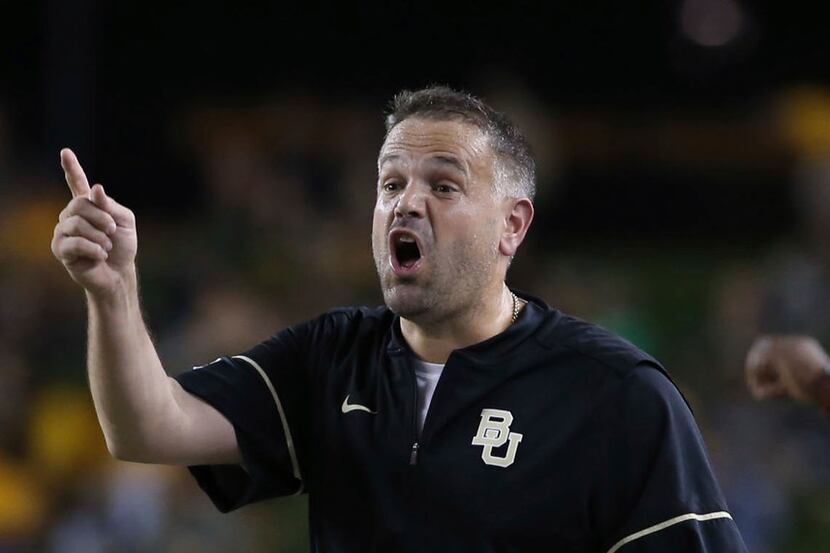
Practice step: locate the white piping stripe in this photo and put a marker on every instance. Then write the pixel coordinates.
(666, 524)
(288, 440)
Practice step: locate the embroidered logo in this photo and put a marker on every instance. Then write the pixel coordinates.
(494, 432)
(347, 407)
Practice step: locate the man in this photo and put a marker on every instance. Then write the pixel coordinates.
(791, 366)
(461, 416)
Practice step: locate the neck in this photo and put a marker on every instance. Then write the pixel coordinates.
(435, 341)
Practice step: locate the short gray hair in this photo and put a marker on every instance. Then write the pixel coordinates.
(515, 169)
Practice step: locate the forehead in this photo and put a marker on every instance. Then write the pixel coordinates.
(417, 138)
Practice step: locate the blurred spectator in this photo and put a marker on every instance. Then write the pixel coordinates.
(789, 366)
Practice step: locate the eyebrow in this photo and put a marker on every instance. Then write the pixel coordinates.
(441, 160)
(387, 158)
(451, 161)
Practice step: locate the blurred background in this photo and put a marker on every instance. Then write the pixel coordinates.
(684, 175)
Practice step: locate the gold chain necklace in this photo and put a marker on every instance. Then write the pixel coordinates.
(516, 307)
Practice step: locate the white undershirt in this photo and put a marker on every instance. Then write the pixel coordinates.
(426, 376)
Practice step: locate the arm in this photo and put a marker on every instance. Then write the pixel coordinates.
(659, 491)
(793, 366)
(145, 415)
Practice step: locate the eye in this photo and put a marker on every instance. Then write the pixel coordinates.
(390, 186)
(443, 188)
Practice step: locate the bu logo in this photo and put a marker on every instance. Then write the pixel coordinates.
(494, 432)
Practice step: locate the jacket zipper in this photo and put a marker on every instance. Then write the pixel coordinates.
(413, 453)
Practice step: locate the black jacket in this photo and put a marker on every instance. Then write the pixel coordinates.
(554, 435)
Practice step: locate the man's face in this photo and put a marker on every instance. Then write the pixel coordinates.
(437, 220)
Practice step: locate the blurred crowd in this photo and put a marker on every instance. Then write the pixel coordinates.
(283, 234)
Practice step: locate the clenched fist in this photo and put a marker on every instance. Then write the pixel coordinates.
(95, 237)
(785, 366)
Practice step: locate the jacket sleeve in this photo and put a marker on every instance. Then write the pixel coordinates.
(659, 492)
(265, 394)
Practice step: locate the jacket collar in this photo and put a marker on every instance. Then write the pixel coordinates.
(534, 314)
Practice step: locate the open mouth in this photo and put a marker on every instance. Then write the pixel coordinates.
(406, 252)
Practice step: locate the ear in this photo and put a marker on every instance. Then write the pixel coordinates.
(516, 223)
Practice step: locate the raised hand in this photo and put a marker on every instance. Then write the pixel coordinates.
(95, 237)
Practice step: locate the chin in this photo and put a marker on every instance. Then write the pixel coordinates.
(406, 301)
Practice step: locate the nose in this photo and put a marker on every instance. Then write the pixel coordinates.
(411, 202)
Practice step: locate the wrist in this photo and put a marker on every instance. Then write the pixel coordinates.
(119, 293)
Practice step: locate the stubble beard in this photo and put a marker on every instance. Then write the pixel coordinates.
(452, 285)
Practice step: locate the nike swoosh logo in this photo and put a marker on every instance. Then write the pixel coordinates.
(346, 407)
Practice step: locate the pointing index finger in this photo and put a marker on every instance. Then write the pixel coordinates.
(74, 173)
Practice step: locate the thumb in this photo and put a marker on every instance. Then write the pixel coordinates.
(123, 217)
(98, 196)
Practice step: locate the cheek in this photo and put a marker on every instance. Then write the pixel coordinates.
(379, 222)
(470, 227)
(383, 205)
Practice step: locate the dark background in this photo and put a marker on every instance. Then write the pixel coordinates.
(109, 77)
